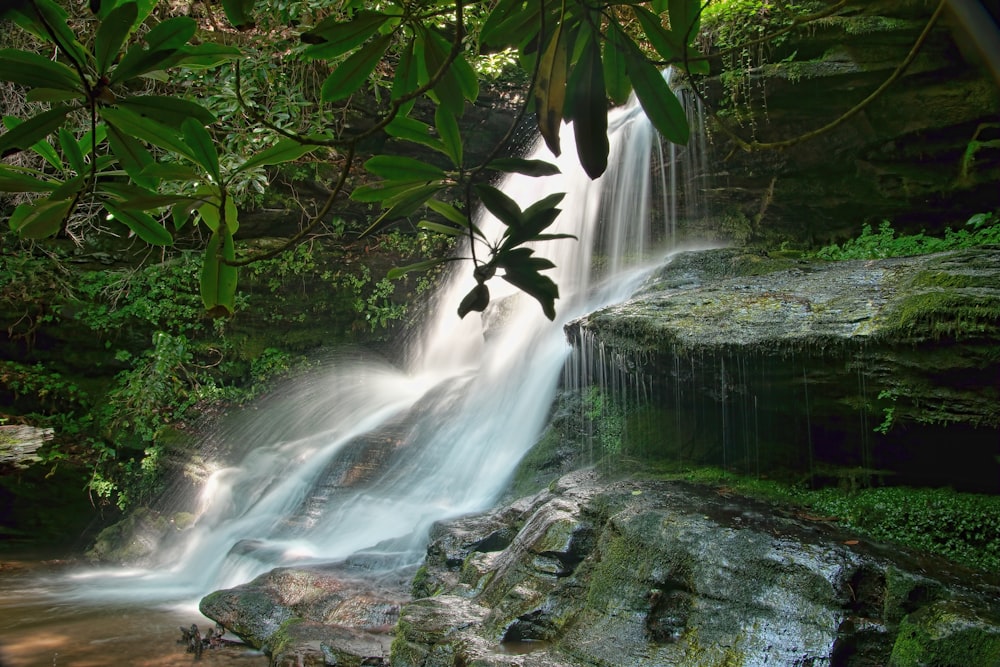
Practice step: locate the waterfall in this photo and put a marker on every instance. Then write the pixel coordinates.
(357, 460)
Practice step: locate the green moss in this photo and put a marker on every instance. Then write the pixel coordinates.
(945, 634)
(283, 638)
(945, 280)
(942, 314)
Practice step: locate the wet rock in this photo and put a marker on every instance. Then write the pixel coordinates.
(672, 574)
(19, 445)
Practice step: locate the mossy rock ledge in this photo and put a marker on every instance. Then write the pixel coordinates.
(775, 362)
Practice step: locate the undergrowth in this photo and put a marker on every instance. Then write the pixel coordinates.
(962, 527)
(980, 229)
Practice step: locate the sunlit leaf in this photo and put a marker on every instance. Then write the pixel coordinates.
(438, 228)
(658, 101)
(40, 219)
(550, 90)
(114, 29)
(400, 271)
(143, 225)
(615, 80)
(352, 74)
(667, 43)
(411, 129)
(33, 130)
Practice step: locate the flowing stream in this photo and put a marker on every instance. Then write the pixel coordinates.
(357, 459)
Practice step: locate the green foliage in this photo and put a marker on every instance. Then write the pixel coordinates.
(606, 420)
(980, 229)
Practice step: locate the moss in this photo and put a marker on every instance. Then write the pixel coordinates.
(283, 638)
(942, 314)
(949, 280)
(946, 634)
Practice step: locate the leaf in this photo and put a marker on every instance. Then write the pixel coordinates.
(170, 111)
(146, 129)
(333, 37)
(200, 141)
(399, 168)
(40, 219)
(34, 71)
(52, 95)
(218, 279)
(587, 100)
(132, 156)
(71, 149)
(206, 54)
(399, 271)
(411, 129)
(13, 181)
(404, 79)
(521, 271)
(475, 301)
(142, 224)
(239, 13)
(380, 191)
(145, 7)
(550, 90)
(171, 34)
(352, 74)
(41, 147)
(503, 207)
(666, 43)
(69, 189)
(503, 27)
(658, 101)
(615, 80)
(451, 136)
(170, 171)
(154, 201)
(32, 130)
(438, 228)
(526, 167)
(449, 212)
(49, 22)
(114, 29)
(285, 150)
(685, 19)
(138, 61)
(448, 91)
(405, 202)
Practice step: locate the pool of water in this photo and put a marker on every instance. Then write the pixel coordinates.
(40, 629)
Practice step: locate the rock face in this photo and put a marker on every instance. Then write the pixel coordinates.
(760, 364)
(923, 153)
(646, 573)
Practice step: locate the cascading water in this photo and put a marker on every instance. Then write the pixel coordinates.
(357, 461)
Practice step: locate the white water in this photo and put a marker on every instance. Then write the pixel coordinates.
(449, 429)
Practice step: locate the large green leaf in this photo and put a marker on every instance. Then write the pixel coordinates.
(71, 150)
(171, 34)
(550, 89)
(451, 136)
(48, 21)
(40, 219)
(172, 111)
(132, 155)
(170, 171)
(658, 101)
(142, 224)
(32, 130)
(138, 61)
(615, 80)
(206, 54)
(200, 141)
(41, 147)
(665, 42)
(114, 29)
(523, 166)
(147, 130)
(587, 100)
(685, 19)
(499, 204)
(53, 95)
(285, 150)
(14, 181)
(404, 202)
(333, 36)
(145, 8)
(218, 279)
(239, 13)
(411, 129)
(503, 27)
(522, 271)
(352, 74)
(34, 71)
(405, 78)
(400, 168)
(448, 91)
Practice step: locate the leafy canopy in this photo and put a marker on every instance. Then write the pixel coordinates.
(156, 163)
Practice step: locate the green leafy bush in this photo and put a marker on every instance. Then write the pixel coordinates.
(980, 229)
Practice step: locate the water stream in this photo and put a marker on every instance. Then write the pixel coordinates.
(358, 458)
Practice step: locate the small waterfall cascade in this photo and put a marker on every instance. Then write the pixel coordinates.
(356, 461)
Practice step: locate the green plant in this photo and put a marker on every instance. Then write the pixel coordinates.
(888, 412)
(980, 229)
